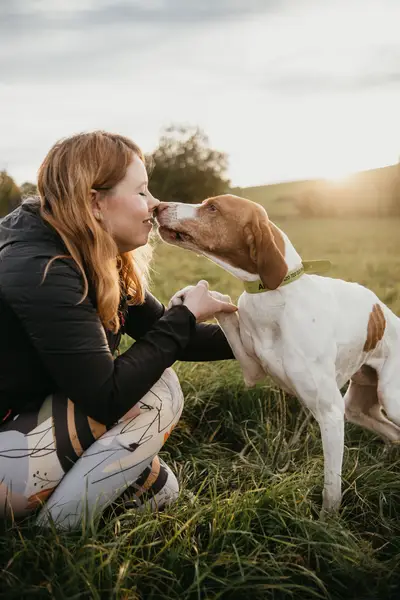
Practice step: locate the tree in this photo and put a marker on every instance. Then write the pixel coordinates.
(10, 195)
(183, 168)
(28, 189)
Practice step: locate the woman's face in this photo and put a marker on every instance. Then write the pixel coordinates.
(126, 211)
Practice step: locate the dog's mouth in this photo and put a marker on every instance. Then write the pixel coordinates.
(173, 235)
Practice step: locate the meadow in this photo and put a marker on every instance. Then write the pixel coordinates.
(251, 469)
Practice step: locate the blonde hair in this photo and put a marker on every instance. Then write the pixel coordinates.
(74, 166)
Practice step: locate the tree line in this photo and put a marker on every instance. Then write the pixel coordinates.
(184, 168)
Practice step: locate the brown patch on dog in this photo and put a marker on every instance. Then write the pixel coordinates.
(264, 251)
(365, 376)
(376, 328)
(278, 237)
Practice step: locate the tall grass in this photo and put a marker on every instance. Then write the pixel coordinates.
(251, 471)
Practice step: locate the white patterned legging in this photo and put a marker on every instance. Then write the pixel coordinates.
(70, 465)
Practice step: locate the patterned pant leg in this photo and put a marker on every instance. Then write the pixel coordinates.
(39, 450)
(29, 465)
(119, 457)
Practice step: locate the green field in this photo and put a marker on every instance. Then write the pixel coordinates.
(251, 472)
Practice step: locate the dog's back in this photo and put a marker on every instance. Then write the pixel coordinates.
(366, 331)
(316, 313)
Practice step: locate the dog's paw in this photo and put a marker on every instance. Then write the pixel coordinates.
(250, 383)
(326, 515)
(253, 374)
(330, 506)
(179, 297)
(221, 297)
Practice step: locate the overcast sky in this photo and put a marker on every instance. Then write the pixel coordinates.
(288, 88)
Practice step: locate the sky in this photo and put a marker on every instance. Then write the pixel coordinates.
(289, 89)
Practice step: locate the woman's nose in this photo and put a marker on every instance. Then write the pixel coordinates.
(153, 203)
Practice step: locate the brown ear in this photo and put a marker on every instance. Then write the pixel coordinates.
(264, 252)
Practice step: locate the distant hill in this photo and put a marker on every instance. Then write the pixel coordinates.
(368, 192)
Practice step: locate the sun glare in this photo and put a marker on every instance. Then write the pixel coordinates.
(340, 177)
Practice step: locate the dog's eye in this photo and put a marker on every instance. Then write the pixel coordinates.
(212, 207)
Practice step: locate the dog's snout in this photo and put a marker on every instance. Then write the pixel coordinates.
(166, 213)
(161, 207)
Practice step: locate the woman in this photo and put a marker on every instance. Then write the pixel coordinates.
(80, 424)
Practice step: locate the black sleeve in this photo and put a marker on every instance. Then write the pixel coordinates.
(71, 340)
(207, 341)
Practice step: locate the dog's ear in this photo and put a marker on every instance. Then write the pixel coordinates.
(264, 252)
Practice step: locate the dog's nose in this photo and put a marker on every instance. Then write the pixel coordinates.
(162, 206)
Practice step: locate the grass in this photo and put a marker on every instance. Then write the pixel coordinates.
(250, 467)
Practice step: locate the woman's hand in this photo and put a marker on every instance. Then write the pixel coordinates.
(201, 302)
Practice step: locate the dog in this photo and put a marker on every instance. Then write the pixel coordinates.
(310, 334)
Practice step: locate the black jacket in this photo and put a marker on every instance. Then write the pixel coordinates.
(51, 343)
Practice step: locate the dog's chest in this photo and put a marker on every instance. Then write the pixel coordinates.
(262, 337)
(258, 333)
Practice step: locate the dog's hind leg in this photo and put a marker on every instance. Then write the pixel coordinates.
(389, 390)
(363, 408)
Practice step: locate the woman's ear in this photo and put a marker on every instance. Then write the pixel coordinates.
(96, 206)
(264, 252)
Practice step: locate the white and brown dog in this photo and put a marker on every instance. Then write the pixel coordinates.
(311, 334)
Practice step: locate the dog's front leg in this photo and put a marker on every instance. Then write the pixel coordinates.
(331, 423)
(252, 369)
(327, 405)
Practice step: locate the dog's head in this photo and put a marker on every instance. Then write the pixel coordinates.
(231, 229)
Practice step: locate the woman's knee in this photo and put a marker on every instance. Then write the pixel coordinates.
(165, 397)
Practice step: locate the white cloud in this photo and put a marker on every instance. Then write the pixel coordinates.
(303, 89)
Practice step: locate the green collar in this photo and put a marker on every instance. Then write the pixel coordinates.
(308, 266)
